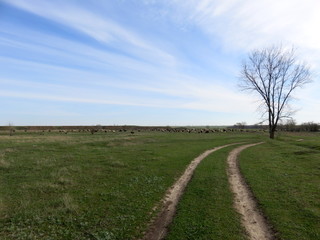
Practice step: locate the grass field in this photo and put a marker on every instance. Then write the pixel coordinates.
(108, 185)
(284, 175)
(83, 186)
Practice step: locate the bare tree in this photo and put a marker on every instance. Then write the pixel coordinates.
(11, 129)
(240, 125)
(274, 73)
(290, 125)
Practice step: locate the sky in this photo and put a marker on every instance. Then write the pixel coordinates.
(146, 62)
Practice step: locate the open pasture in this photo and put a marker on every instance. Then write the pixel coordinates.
(110, 185)
(284, 176)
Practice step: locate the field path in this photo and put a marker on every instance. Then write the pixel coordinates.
(252, 219)
(158, 227)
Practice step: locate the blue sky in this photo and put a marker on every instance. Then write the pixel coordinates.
(145, 62)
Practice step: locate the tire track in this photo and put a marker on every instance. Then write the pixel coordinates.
(159, 226)
(244, 202)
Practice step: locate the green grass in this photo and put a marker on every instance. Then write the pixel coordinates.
(284, 175)
(83, 186)
(104, 186)
(206, 208)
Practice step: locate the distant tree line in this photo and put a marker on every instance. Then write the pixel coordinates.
(291, 126)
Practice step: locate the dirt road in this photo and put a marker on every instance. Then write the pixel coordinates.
(158, 228)
(252, 219)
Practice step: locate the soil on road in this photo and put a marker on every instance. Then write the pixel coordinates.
(159, 226)
(244, 201)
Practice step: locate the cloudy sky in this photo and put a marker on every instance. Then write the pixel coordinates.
(145, 62)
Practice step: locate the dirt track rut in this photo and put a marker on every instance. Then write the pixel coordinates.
(158, 228)
(252, 219)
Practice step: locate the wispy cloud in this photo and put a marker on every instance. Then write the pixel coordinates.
(246, 23)
(216, 98)
(97, 27)
(93, 69)
(103, 61)
(44, 48)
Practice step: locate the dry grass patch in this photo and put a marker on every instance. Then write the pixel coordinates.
(36, 138)
(69, 203)
(2, 208)
(62, 176)
(3, 162)
(46, 161)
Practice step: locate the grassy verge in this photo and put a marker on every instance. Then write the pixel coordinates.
(284, 175)
(206, 208)
(82, 186)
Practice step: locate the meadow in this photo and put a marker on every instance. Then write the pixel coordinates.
(109, 185)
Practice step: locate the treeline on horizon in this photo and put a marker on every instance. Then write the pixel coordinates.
(290, 126)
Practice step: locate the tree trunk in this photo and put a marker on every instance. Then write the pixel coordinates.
(272, 131)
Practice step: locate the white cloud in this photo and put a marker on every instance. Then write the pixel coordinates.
(97, 27)
(241, 25)
(67, 51)
(151, 77)
(185, 96)
(249, 23)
